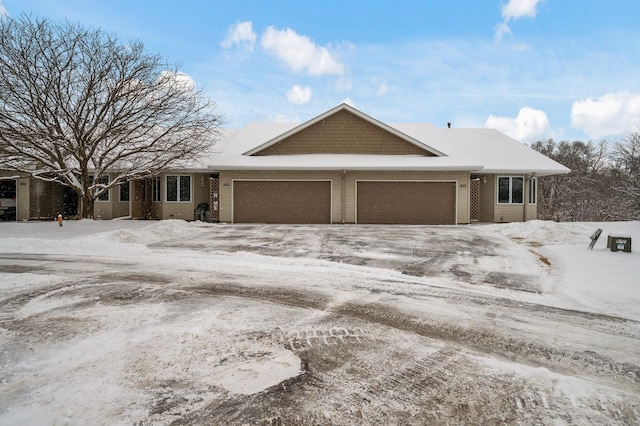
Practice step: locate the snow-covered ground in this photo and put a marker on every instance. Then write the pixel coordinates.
(133, 322)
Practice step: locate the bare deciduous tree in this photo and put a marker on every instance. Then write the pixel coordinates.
(603, 185)
(77, 104)
(627, 164)
(574, 196)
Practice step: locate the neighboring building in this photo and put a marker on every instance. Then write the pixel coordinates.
(340, 167)
(24, 198)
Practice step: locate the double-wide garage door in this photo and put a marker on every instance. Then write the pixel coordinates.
(405, 202)
(281, 201)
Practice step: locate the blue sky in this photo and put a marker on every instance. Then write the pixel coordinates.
(534, 69)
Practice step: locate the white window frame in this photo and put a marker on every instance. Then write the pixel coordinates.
(533, 190)
(156, 189)
(510, 202)
(178, 191)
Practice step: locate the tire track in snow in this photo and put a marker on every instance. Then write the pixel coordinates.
(489, 342)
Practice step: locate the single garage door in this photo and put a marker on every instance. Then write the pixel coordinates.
(408, 203)
(281, 201)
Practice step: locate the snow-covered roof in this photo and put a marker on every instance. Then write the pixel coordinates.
(476, 150)
(494, 150)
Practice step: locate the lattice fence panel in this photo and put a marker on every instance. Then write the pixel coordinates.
(214, 201)
(44, 199)
(475, 200)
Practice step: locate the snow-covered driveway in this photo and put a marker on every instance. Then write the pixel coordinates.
(127, 322)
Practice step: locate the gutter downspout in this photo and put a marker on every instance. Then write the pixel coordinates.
(344, 195)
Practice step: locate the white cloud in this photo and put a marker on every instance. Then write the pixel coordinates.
(501, 30)
(382, 89)
(182, 80)
(300, 53)
(529, 126)
(240, 34)
(520, 8)
(515, 9)
(612, 114)
(299, 95)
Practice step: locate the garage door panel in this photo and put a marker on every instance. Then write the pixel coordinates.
(282, 202)
(408, 203)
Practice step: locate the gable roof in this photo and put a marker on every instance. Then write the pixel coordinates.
(332, 112)
(474, 150)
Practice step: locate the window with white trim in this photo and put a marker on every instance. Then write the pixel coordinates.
(104, 180)
(155, 189)
(533, 196)
(510, 190)
(179, 188)
(124, 192)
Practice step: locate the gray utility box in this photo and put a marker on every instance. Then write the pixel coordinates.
(619, 243)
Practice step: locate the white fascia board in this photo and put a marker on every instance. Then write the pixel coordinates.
(315, 166)
(536, 172)
(352, 168)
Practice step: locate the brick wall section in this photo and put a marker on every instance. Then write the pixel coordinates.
(344, 133)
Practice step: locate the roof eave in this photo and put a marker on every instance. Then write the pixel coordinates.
(462, 168)
(535, 172)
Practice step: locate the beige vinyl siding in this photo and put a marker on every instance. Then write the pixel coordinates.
(532, 211)
(200, 189)
(121, 208)
(157, 207)
(182, 210)
(512, 212)
(509, 213)
(174, 210)
(104, 209)
(344, 133)
(226, 187)
(22, 199)
(157, 210)
(140, 198)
